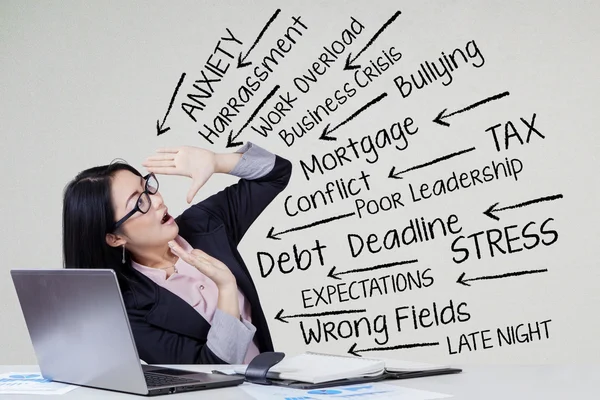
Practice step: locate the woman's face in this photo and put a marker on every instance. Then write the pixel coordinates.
(141, 230)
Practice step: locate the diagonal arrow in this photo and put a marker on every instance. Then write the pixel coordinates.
(354, 351)
(160, 129)
(463, 281)
(490, 211)
(396, 175)
(231, 138)
(335, 275)
(282, 318)
(327, 131)
(441, 116)
(242, 59)
(273, 235)
(349, 62)
(393, 174)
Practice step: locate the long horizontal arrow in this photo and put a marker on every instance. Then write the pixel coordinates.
(354, 351)
(242, 59)
(463, 281)
(335, 275)
(441, 116)
(160, 129)
(282, 318)
(327, 132)
(396, 175)
(231, 138)
(273, 235)
(349, 66)
(490, 211)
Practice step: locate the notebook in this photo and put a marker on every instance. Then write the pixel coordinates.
(309, 369)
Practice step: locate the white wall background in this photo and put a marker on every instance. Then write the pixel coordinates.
(85, 82)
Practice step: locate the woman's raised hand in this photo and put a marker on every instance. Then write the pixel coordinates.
(194, 162)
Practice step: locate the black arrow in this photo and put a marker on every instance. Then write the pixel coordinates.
(349, 66)
(273, 235)
(327, 131)
(396, 175)
(463, 281)
(440, 118)
(335, 275)
(231, 138)
(160, 125)
(393, 174)
(490, 211)
(241, 59)
(355, 352)
(282, 318)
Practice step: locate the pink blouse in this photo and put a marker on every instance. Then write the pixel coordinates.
(197, 290)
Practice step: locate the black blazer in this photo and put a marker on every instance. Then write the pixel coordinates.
(166, 329)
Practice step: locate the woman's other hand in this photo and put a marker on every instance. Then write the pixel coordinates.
(209, 266)
(218, 272)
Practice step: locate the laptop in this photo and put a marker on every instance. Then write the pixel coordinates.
(81, 335)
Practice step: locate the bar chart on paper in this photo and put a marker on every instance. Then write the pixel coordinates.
(30, 383)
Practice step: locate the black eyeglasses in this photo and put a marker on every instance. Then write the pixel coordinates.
(143, 202)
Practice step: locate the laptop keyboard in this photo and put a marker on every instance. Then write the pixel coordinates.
(154, 380)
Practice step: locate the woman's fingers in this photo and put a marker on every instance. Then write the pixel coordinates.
(168, 150)
(192, 258)
(219, 273)
(199, 256)
(198, 253)
(161, 157)
(202, 256)
(178, 251)
(206, 268)
(159, 163)
(209, 258)
(164, 170)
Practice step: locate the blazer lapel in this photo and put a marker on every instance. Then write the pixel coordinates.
(169, 311)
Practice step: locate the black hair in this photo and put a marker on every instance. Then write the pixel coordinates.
(88, 215)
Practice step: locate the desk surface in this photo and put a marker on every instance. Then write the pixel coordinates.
(546, 382)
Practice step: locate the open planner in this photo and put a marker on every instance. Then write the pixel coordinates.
(314, 370)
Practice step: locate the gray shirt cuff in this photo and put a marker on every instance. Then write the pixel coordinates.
(255, 162)
(229, 337)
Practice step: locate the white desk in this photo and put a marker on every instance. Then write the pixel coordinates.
(474, 383)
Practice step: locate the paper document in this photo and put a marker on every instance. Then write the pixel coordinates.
(31, 383)
(372, 391)
(395, 365)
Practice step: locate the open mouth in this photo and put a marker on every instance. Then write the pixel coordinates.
(166, 218)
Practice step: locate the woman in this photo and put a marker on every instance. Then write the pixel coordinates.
(189, 296)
